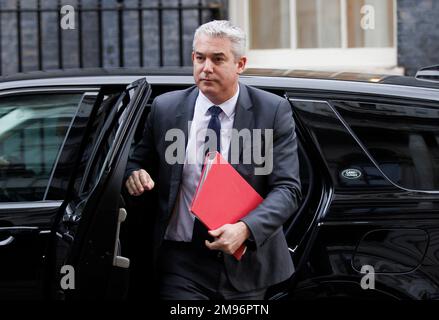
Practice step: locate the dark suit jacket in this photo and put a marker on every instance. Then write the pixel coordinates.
(269, 262)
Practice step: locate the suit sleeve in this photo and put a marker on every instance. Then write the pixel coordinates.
(144, 155)
(283, 182)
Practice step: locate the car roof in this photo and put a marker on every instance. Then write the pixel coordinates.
(346, 76)
(95, 72)
(271, 79)
(187, 71)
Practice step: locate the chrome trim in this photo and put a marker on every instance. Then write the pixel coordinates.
(47, 88)
(7, 241)
(69, 81)
(293, 250)
(17, 228)
(31, 205)
(433, 73)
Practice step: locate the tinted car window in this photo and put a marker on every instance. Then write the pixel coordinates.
(32, 130)
(339, 149)
(100, 142)
(402, 138)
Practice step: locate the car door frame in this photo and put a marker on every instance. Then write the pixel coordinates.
(93, 254)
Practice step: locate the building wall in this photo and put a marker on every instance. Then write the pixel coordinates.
(111, 56)
(418, 34)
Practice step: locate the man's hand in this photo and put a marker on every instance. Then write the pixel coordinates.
(229, 237)
(138, 182)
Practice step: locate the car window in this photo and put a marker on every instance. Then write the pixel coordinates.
(100, 142)
(32, 130)
(105, 128)
(403, 138)
(339, 149)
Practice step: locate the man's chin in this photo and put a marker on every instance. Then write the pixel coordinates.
(207, 89)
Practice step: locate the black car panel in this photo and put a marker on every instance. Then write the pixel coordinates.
(378, 248)
(25, 230)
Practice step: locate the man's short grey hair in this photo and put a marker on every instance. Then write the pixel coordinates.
(223, 29)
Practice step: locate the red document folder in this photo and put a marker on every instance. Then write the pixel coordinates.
(223, 196)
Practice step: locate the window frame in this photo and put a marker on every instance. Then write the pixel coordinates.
(321, 58)
(48, 90)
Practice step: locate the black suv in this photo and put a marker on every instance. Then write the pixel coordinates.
(369, 166)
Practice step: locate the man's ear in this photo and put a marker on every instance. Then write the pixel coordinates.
(241, 64)
(193, 56)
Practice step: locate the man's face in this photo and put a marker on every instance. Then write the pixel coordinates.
(216, 71)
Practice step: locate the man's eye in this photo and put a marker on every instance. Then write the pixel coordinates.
(199, 58)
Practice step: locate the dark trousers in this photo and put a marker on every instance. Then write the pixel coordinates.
(189, 272)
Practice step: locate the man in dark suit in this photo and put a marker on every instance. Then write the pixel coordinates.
(192, 263)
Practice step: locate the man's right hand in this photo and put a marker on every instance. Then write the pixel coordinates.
(138, 182)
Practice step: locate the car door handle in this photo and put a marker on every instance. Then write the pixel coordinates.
(119, 261)
(7, 241)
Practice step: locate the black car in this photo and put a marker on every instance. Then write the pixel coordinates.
(369, 166)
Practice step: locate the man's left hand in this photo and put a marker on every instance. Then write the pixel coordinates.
(229, 237)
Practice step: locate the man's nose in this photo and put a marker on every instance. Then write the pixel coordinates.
(208, 66)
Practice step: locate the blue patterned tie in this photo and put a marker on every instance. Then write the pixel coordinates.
(215, 125)
(200, 232)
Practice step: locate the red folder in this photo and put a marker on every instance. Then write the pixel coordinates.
(223, 196)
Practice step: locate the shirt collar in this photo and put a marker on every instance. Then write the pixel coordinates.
(228, 106)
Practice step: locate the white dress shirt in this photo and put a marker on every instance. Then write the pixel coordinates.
(181, 225)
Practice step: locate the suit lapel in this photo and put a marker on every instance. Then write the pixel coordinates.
(243, 118)
(185, 113)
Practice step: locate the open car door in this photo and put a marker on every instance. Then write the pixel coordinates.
(86, 259)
